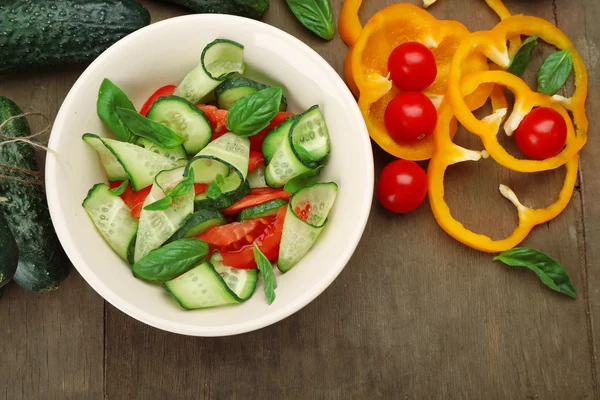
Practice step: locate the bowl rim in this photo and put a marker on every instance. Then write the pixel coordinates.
(106, 292)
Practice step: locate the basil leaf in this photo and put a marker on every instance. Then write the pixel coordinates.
(214, 190)
(554, 72)
(119, 190)
(160, 205)
(253, 113)
(109, 98)
(315, 15)
(184, 186)
(171, 260)
(521, 59)
(266, 269)
(148, 129)
(308, 178)
(547, 269)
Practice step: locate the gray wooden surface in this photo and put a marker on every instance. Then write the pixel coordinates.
(414, 315)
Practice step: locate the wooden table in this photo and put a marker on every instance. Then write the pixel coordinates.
(415, 314)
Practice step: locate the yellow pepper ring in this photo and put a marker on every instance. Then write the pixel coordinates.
(493, 44)
(448, 153)
(525, 101)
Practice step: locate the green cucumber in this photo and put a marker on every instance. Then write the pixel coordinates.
(220, 59)
(299, 235)
(233, 89)
(113, 168)
(246, 8)
(242, 282)
(233, 189)
(198, 223)
(285, 164)
(275, 136)
(262, 210)
(9, 253)
(183, 118)
(310, 136)
(228, 151)
(41, 33)
(176, 153)
(113, 219)
(43, 264)
(256, 178)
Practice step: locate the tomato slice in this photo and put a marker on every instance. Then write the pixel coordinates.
(200, 188)
(229, 234)
(257, 140)
(217, 118)
(134, 200)
(163, 91)
(254, 199)
(256, 159)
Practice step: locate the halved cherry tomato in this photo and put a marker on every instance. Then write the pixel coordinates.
(256, 159)
(257, 140)
(268, 242)
(163, 91)
(226, 235)
(252, 200)
(402, 186)
(217, 118)
(412, 67)
(134, 200)
(409, 117)
(542, 133)
(200, 188)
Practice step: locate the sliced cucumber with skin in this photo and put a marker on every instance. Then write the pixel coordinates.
(185, 119)
(112, 218)
(285, 165)
(233, 190)
(198, 223)
(242, 282)
(156, 227)
(256, 178)
(233, 89)
(176, 154)
(310, 136)
(300, 235)
(262, 210)
(203, 287)
(112, 166)
(275, 136)
(220, 59)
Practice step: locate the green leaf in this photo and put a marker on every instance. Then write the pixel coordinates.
(521, 59)
(253, 113)
(171, 260)
(315, 15)
(303, 180)
(148, 129)
(109, 98)
(119, 190)
(183, 187)
(554, 72)
(266, 269)
(214, 190)
(547, 269)
(160, 205)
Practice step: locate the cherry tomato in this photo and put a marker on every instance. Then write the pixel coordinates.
(542, 133)
(163, 91)
(233, 232)
(412, 67)
(409, 117)
(402, 186)
(200, 188)
(217, 118)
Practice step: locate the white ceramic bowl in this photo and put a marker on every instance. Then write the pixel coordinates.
(162, 54)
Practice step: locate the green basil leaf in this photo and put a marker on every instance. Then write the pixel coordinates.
(303, 180)
(315, 15)
(253, 113)
(109, 98)
(119, 190)
(214, 190)
(160, 205)
(171, 260)
(521, 59)
(554, 72)
(547, 269)
(183, 187)
(148, 129)
(266, 269)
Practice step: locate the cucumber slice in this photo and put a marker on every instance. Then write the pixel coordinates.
(275, 136)
(300, 235)
(198, 223)
(156, 227)
(256, 178)
(185, 119)
(233, 190)
(176, 154)
(140, 164)
(242, 282)
(262, 210)
(219, 60)
(233, 89)
(111, 165)
(112, 218)
(284, 165)
(203, 287)
(310, 136)
(229, 149)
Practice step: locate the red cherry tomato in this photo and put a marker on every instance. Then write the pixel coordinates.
(163, 91)
(412, 67)
(217, 118)
(402, 186)
(542, 133)
(409, 117)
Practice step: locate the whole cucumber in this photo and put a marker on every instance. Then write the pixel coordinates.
(39, 33)
(9, 253)
(42, 264)
(246, 8)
